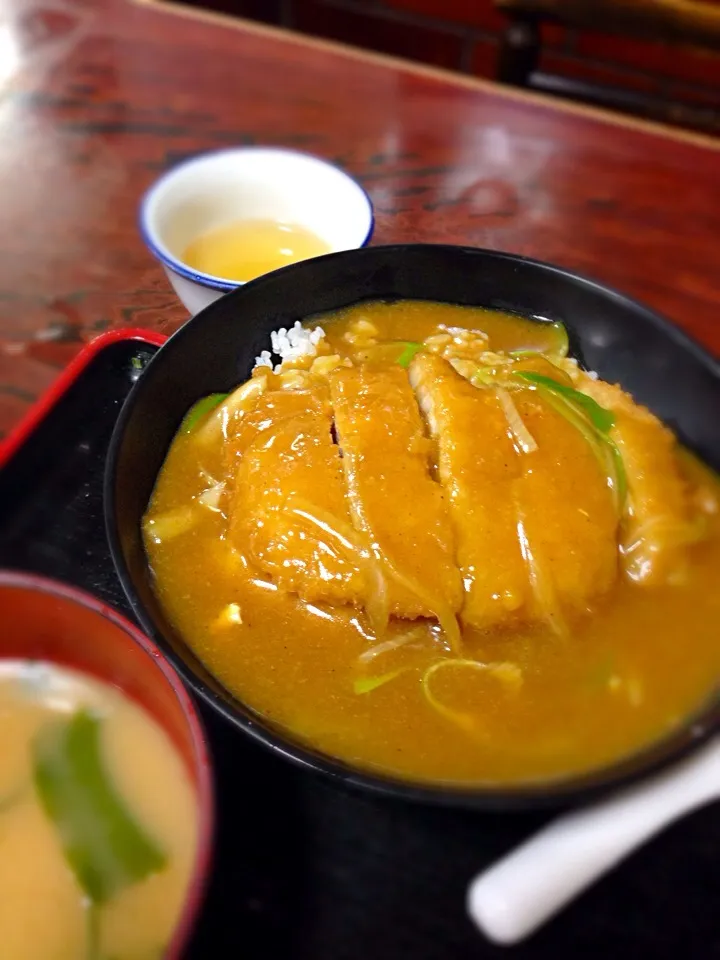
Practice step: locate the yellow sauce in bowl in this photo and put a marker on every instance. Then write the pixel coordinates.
(245, 249)
(312, 550)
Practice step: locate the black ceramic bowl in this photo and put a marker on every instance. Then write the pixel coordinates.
(214, 351)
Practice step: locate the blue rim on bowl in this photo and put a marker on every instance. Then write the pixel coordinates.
(158, 249)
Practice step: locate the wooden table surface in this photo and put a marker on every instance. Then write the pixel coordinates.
(97, 97)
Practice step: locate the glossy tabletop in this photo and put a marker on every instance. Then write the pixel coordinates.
(97, 97)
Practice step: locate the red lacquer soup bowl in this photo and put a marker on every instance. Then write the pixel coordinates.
(41, 619)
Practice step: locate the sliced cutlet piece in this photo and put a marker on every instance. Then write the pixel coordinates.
(477, 464)
(288, 513)
(394, 500)
(567, 513)
(660, 522)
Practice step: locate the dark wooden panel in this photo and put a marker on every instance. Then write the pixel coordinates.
(365, 26)
(474, 13)
(267, 11)
(661, 59)
(688, 21)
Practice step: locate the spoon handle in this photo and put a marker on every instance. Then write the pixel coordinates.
(523, 890)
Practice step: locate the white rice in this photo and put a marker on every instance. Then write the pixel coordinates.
(297, 341)
(589, 373)
(290, 344)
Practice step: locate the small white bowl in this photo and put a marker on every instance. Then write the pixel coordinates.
(247, 183)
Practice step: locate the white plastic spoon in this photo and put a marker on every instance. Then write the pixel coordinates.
(519, 893)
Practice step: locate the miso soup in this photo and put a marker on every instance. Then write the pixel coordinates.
(98, 820)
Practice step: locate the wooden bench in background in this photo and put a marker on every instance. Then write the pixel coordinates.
(677, 23)
(677, 84)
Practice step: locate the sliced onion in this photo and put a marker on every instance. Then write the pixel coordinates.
(338, 530)
(466, 368)
(171, 524)
(367, 655)
(508, 673)
(440, 608)
(540, 583)
(239, 402)
(212, 497)
(519, 431)
(357, 552)
(377, 602)
(656, 536)
(368, 684)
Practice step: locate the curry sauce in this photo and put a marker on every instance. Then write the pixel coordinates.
(435, 547)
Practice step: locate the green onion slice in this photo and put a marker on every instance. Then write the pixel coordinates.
(600, 418)
(408, 352)
(593, 422)
(563, 345)
(105, 847)
(368, 684)
(198, 411)
(560, 349)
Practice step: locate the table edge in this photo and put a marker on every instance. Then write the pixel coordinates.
(599, 114)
